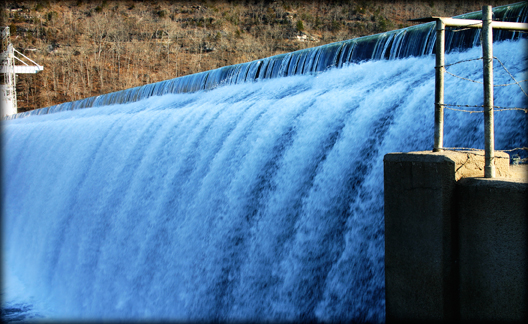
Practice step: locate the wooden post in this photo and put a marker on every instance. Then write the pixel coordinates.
(487, 54)
(439, 87)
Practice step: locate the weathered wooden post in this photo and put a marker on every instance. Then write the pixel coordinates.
(487, 54)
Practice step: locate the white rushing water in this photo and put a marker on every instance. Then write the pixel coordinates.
(257, 201)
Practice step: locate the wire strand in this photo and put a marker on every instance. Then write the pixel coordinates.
(495, 108)
(463, 61)
(456, 76)
(511, 76)
(518, 83)
(457, 149)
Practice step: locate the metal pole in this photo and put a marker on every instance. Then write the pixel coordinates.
(439, 87)
(487, 54)
(471, 23)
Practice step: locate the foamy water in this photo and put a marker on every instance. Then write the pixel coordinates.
(257, 201)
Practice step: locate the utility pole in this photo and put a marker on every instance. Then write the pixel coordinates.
(9, 70)
(7, 78)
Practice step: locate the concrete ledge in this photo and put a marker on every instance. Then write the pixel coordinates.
(467, 163)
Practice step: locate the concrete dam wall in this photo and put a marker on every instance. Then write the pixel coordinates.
(455, 242)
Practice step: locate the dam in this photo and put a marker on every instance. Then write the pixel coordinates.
(248, 193)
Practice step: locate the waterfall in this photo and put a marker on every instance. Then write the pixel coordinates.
(412, 41)
(254, 201)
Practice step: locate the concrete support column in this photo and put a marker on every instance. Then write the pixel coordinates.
(493, 262)
(456, 243)
(420, 275)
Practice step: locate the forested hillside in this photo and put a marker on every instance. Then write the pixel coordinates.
(89, 48)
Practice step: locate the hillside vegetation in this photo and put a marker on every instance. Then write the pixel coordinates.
(89, 48)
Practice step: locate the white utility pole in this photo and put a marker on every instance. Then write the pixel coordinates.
(8, 71)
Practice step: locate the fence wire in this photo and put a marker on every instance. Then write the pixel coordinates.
(495, 108)
(517, 159)
(511, 76)
(518, 83)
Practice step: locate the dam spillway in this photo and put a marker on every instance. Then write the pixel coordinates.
(411, 41)
(256, 201)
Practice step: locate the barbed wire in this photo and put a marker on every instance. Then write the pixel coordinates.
(518, 83)
(475, 81)
(463, 61)
(511, 76)
(495, 108)
(499, 108)
(458, 149)
(509, 84)
(461, 148)
(449, 106)
(474, 149)
(457, 76)
(515, 149)
(462, 110)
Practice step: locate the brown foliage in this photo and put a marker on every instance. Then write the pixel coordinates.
(91, 48)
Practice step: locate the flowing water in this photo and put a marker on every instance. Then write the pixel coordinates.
(256, 201)
(411, 41)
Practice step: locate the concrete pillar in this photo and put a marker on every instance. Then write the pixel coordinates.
(420, 281)
(493, 240)
(421, 232)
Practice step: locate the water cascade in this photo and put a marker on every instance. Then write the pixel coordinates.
(412, 41)
(254, 201)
